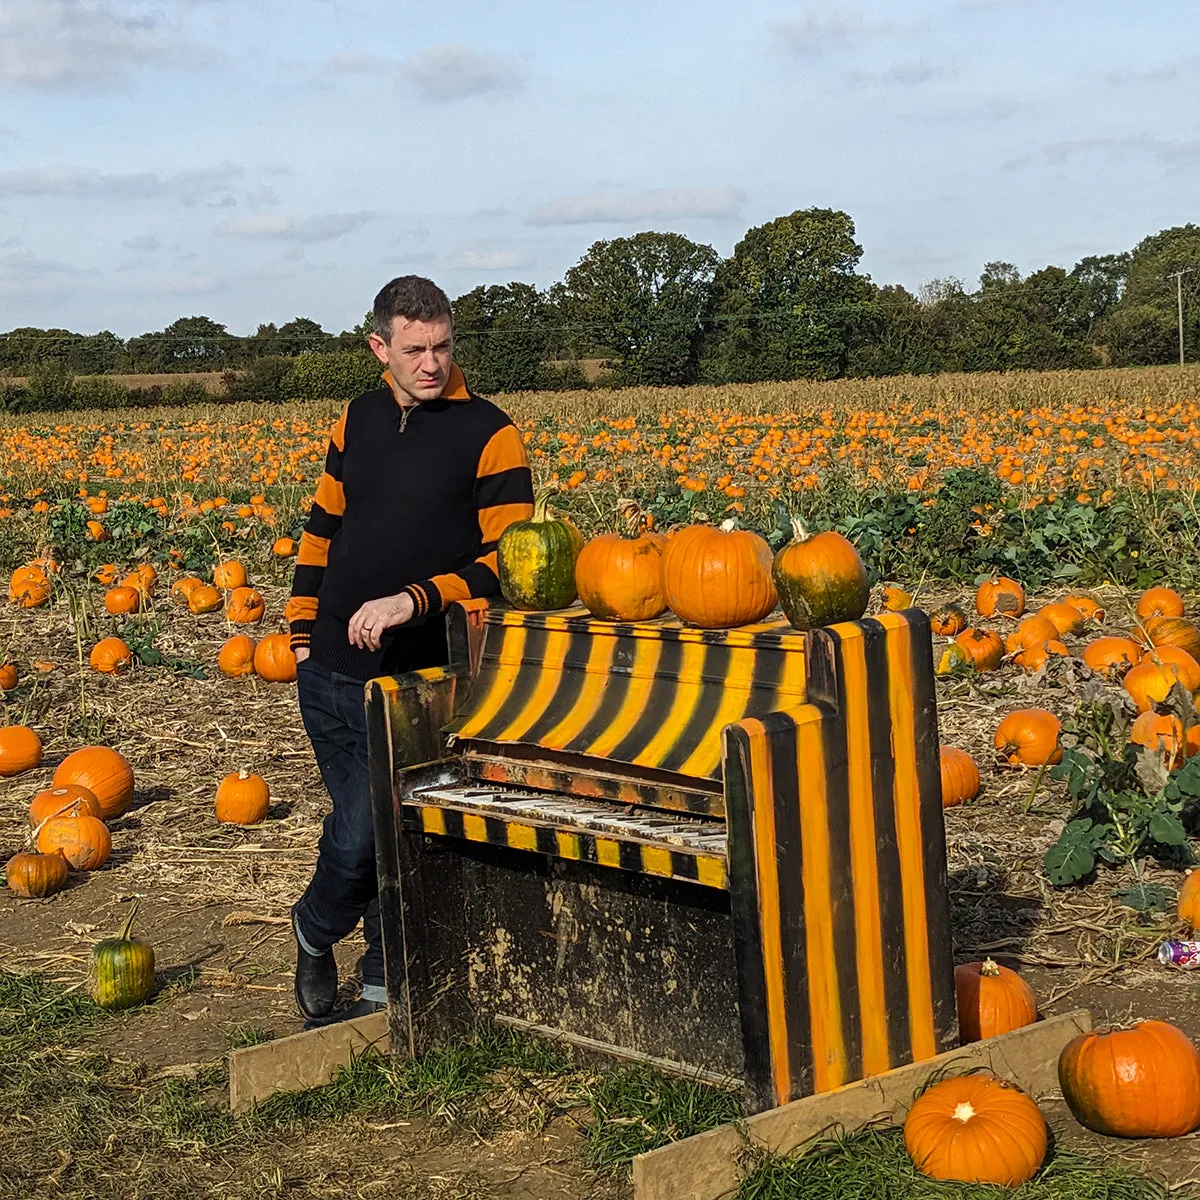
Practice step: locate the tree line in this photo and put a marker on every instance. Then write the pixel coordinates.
(661, 309)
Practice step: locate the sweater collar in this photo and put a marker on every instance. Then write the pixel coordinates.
(455, 389)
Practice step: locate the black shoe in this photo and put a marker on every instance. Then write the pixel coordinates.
(316, 980)
(360, 1008)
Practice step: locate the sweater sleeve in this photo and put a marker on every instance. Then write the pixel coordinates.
(503, 494)
(324, 520)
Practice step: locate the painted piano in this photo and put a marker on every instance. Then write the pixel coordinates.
(720, 852)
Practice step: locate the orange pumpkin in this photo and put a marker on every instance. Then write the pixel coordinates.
(1160, 602)
(1186, 667)
(991, 1000)
(97, 533)
(1030, 631)
(960, 776)
(104, 772)
(236, 658)
(718, 577)
(182, 588)
(1170, 631)
(1149, 683)
(110, 656)
(1087, 605)
(1135, 1083)
(274, 660)
(122, 599)
(242, 799)
(245, 606)
(820, 579)
(1164, 732)
(1032, 658)
(1029, 738)
(983, 647)
(1065, 618)
(143, 578)
(283, 548)
(1000, 597)
(33, 876)
(29, 587)
(1112, 656)
(948, 620)
(896, 599)
(976, 1129)
(1188, 904)
(20, 749)
(57, 801)
(83, 840)
(106, 574)
(204, 599)
(229, 575)
(621, 578)
(8, 677)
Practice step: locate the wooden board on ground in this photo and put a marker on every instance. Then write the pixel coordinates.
(303, 1060)
(705, 1167)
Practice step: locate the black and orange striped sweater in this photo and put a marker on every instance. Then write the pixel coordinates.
(412, 499)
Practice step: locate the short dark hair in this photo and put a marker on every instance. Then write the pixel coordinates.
(412, 297)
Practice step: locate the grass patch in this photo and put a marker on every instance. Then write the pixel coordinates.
(874, 1164)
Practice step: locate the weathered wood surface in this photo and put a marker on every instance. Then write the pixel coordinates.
(303, 1060)
(705, 1167)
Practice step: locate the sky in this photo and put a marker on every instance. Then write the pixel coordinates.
(259, 161)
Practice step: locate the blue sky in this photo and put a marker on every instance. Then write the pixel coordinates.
(259, 161)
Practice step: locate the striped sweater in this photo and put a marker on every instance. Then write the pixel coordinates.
(411, 500)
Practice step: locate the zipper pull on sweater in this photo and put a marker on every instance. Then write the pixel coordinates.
(404, 417)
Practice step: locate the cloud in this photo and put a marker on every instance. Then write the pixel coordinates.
(86, 183)
(73, 46)
(143, 241)
(823, 33)
(655, 204)
(899, 75)
(445, 73)
(1164, 73)
(26, 265)
(1171, 152)
(191, 284)
(280, 227)
(481, 260)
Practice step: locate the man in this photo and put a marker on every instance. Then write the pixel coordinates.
(420, 480)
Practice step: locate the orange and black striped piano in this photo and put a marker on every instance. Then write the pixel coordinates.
(717, 851)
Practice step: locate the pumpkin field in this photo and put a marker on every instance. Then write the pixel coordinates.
(1048, 524)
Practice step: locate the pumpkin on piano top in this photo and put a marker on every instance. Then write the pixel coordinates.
(718, 577)
(820, 579)
(536, 560)
(619, 577)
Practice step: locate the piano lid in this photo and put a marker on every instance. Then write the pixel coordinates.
(655, 694)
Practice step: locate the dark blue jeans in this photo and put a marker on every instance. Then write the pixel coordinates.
(344, 887)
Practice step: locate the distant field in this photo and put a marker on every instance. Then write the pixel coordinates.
(211, 380)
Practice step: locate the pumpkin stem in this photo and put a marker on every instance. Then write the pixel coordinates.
(728, 526)
(799, 533)
(123, 934)
(243, 773)
(963, 1112)
(637, 519)
(539, 504)
(990, 969)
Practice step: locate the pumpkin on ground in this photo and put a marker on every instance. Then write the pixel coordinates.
(242, 799)
(896, 599)
(1170, 631)
(991, 1000)
(83, 840)
(1149, 683)
(1184, 665)
(142, 579)
(1000, 597)
(717, 577)
(57, 801)
(106, 574)
(1029, 738)
(229, 575)
(1138, 1082)
(204, 599)
(110, 655)
(1032, 658)
(8, 677)
(960, 776)
(1087, 605)
(20, 749)
(1160, 602)
(1188, 904)
(820, 579)
(1065, 618)
(983, 647)
(97, 533)
(1034, 630)
(976, 1129)
(33, 876)
(948, 620)
(284, 548)
(246, 606)
(121, 600)
(620, 578)
(29, 587)
(1112, 656)
(104, 772)
(122, 968)
(1164, 732)
(536, 560)
(236, 657)
(182, 588)
(954, 658)
(274, 660)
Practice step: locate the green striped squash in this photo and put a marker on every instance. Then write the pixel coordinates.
(536, 560)
(122, 969)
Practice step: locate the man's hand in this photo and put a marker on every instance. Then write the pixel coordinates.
(367, 625)
(301, 653)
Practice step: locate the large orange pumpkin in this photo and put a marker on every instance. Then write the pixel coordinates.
(236, 658)
(83, 840)
(820, 579)
(1112, 656)
(245, 607)
(1188, 904)
(1032, 658)
(1029, 738)
(718, 577)
(242, 799)
(983, 646)
(1170, 631)
(1065, 618)
(991, 1000)
(8, 677)
(948, 620)
(1138, 1082)
(122, 599)
(229, 575)
(57, 801)
(142, 579)
(204, 599)
(104, 772)
(976, 1129)
(621, 578)
(1164, 732)
(284, 548)
(20, 749)
(33, 876)
(110, 655)
(1149, 683)
(274, 660)
(1160, 602)
(1088, 606)
(1000, 596)
(29, 587)
(182, 588)
(1034, 630)
(960, 776)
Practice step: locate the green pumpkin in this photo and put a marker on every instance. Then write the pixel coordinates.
(536, 560)
(122, 969)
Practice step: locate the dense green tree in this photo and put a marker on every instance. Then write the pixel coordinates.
(189, 344)
(641, 299)
(297, 336)
(787, 303)
(500, 337)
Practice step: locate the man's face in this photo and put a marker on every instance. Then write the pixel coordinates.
(418, 355)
